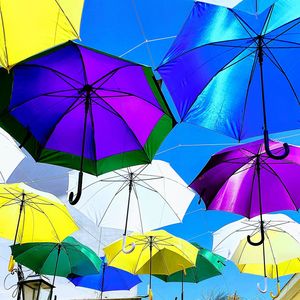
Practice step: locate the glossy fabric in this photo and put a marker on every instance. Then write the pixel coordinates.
(212, 70)
(229, 181)
(73, 258)
(127, 120)
(31, 26)
(108, 279)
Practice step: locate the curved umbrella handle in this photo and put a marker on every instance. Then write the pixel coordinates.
(268, 151)
(262, 239)
(265, 287)
(278, 291)
(75, 200)
(124, 245)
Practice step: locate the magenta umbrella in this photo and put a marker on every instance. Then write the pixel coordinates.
(246, 181)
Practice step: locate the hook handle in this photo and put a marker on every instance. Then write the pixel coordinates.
(75, 200)
(263, 291)
(132, 245)
(262, 234)
(278, 291)
(268, 151)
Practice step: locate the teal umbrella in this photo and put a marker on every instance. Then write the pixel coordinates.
(208, 265)
(58, 259)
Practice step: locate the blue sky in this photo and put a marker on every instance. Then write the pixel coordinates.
(122, 27)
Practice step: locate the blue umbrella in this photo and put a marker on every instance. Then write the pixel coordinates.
(234, 72)
(109, 279)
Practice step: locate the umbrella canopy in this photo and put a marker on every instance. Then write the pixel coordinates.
(83, 109)
(156, 252)
(29, 27)
(277, 256)
(28, 215)
(207, 265)
(108, 279)
(230, 71)
(245, 180)
(58, 259)
(10, 156)
(153, 196)
(230, 180)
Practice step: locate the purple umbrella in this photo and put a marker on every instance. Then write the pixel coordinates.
(246, 181)
(83, 109)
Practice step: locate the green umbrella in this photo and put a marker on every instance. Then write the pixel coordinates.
(208, 265)
(58, 259)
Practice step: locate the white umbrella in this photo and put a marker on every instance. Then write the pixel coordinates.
(281, 246)
(227, 239)
(139, 198)
(10, 156)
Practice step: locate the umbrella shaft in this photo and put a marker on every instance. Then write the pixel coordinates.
(150, 263)
(128, 202)
(19, 218)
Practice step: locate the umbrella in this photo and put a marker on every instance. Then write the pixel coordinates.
(208, 265)
(156, 252)
(10, 156)
(246, 181)
(28, 215)
(233, 72)
(109, 279)
(76, 107)
(277, 256)
(156, 196)
(57, 259)
(29, 27)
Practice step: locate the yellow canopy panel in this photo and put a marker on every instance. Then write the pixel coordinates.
(31, 26)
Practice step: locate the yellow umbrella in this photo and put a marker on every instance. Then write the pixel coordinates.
(31, 26)
(155, 252)
(28, 215)
(278, 256)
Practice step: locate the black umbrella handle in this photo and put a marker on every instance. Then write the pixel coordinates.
(262, 239)
(75, 200)
(268, 151)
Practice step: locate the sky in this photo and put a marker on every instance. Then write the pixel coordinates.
(142, 31)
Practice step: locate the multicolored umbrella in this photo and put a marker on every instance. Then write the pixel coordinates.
(139, 198)
(208, 265)
(80, 108)
(58, 259)
(29, 27)
(108, 279)
(245, 180)
(277, 256)
(156, 252)
(234, 73)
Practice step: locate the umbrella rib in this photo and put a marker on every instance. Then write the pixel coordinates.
(282, 41)
(59, 74)
(127, 94)
(122, 187)
(244, 24)
(42, 95)
(69, 21)
(65, 113)
(138, 204)
(82, 62)
(270, 244)
(267, 21)
(285, 31)
(247, 92)
(165, 200)
(126, 125)
(4, 36)
(139, 257)
(279, 67)
(283, 184)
